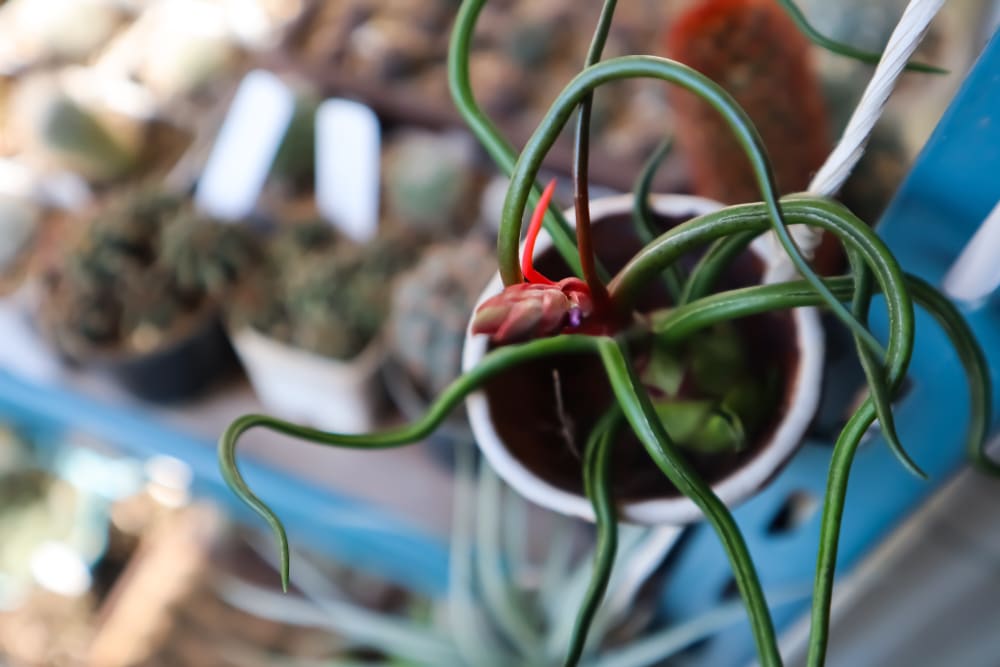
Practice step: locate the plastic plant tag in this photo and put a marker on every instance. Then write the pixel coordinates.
(245, 148)
(347, 167)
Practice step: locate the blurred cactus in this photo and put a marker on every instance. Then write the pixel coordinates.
(386, 48)
(431, 305)
(298, 239)
(52, 123)
(324, 293)
(430, 180)
(531, 44)
(66, 30)
(141, 274)
(190, 49)
(753, 50)
(207, 258)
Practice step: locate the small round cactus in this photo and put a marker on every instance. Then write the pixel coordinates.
(431, 304)
(56, 127)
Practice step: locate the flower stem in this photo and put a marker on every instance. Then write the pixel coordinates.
(581, 169)
(489, 136)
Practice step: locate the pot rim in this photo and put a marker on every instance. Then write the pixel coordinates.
(250, 341)
(732, 489)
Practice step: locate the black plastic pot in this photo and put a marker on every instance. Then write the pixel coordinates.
(176, 372)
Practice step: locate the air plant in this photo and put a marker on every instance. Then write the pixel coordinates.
(594, 315)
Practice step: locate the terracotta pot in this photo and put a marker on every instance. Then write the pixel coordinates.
(527, 436)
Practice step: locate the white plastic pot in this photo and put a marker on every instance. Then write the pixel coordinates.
(801, 401)
(308, 388)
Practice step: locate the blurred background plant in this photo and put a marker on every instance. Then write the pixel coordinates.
(322, 292)
(143, 274)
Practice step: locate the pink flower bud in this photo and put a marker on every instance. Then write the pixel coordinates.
(531, 310)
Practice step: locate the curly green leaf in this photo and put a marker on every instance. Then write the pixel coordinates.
(629, 67)
(597, 486)
(846, 50)
(642, 213)
(874, 373)
(713, 264)
(639, 411)
(492, 364)
(682, 322)
(487, 133)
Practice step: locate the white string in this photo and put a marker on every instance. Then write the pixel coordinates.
(905, 37)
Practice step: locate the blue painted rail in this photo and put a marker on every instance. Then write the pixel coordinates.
(350, 530)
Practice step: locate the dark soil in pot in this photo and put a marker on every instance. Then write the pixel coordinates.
(544, 410)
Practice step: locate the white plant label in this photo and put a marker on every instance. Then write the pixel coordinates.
(246, 146)
(347, 167)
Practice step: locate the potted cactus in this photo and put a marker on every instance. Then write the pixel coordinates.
(431, 181)
(139, 295)
(309, 328)
(599, 323)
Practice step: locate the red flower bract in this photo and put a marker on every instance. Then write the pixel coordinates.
(532, 310)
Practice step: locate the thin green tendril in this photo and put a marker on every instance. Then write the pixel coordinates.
(846, 50)
(597, 486)
(641, 415)
(492, 364)
(629, 67)
(873, 370)
(642, 214)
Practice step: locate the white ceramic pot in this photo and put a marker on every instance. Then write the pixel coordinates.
(801, 400)
(305, 387)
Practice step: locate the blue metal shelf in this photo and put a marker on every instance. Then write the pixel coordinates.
(344, 528)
